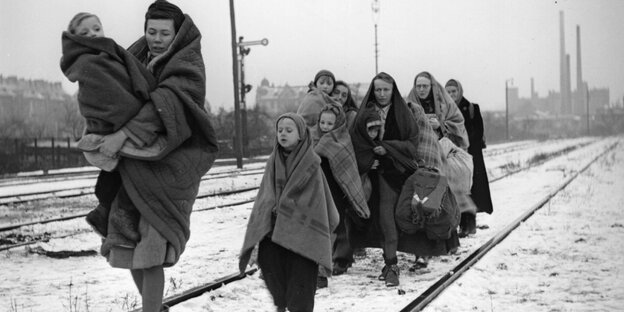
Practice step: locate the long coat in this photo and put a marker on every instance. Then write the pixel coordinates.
(480, 191)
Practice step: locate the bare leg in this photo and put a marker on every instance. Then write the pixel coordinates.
(153, 288)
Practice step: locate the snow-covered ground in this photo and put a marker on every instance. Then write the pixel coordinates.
(547, 253)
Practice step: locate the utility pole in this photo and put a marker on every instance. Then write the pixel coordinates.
(245, 88)
(375, 7)
(506, 110)
(238, 142)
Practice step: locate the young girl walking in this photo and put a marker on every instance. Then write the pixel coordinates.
(292, 219)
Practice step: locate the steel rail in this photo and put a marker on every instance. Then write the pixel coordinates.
(451, 276)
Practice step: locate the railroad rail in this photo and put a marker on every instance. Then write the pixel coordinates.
(451, 276)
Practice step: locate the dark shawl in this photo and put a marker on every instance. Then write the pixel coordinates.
(407, 143)
(451, 120)
(113, 84)
(294, 204)
(164, 190)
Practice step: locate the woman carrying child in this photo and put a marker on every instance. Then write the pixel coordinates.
(292, 219)
(163, 189)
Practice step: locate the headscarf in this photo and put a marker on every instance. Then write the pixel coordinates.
(77, 19)
(161, 9)
(401, 134)
(460, 89)
(451, 119)
(321, 73)
(295, 156)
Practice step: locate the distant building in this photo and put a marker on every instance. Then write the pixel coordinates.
(551, 103)
(276, 100)
(33, 107)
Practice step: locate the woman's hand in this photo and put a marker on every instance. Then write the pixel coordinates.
(112, 143)
(375, 164)
(379, 150)
(434, 123)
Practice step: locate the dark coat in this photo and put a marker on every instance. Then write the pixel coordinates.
(480, 191)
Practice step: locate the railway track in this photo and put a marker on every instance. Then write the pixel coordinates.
(450, 276)
(67, 192)
(197, 291)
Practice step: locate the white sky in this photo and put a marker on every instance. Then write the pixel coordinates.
(481, 43)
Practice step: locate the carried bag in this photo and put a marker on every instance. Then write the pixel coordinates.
(427, 204)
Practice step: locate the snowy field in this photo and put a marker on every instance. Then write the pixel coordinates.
(565, 258)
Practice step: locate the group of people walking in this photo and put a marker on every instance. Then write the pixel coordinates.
(341, 176)
(391, 173)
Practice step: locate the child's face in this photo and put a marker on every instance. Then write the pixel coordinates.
(327, 121)
(373, 132)
(287, 134)
(325, 84)
(90, 27)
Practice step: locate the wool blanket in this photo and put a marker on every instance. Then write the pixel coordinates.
(449, 116)
(336, 146)
(164, 189)
(458, 169)
(311, 106)
(294, 206)
(113, 84)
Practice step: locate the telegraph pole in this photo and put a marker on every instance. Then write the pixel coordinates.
(245, 88)
(238, 142)
(375, 7)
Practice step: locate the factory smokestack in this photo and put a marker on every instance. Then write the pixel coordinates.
(579, 71)
(561, 61)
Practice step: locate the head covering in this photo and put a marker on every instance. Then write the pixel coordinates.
(162, 9)
(349, 105)
(460, 89)
(77, 19)
(321, 73)
(299, 122)
(449, 116)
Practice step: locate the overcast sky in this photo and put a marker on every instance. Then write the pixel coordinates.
(481, 43)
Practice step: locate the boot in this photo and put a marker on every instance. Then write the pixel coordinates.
(98, 220)
(392, 276)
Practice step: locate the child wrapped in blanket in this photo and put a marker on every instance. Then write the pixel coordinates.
(113, 88)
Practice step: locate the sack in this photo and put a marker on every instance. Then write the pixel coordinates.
(458, 166)
(427, 204)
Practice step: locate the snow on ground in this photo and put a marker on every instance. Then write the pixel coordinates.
(37, 283)
(566, 257)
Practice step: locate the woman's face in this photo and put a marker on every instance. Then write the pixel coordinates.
(159, 34)
(453, 92)
(287, 134)
(423, 86)
(325, 84)
(341, 93)
(383, 92)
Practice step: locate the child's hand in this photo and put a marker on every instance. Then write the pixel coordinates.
(375, 164)
(379, 150)
(112, 143)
